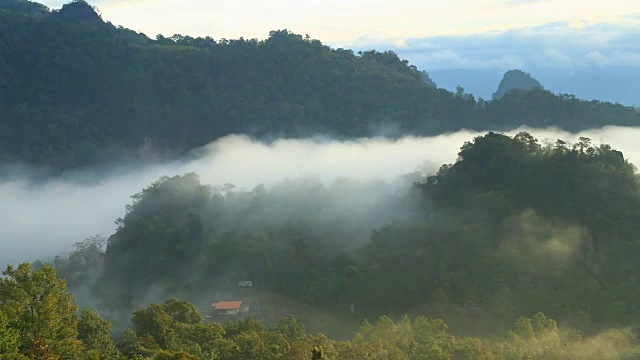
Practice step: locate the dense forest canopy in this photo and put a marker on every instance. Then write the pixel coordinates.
(513, 234)
(76, 91)
(175, 330)
(512, 227)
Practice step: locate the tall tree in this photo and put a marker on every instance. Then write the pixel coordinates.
(37, 304)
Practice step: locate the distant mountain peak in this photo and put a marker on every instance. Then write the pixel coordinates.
(80, 10)
(516, 80)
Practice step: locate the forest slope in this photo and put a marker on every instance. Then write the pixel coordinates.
(77, 91)
(513, 227)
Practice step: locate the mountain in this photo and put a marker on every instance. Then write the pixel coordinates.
(79, 10)
(516, 80)
(77, 91)
(615, 84)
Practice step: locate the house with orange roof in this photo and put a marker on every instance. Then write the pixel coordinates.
(229, 308)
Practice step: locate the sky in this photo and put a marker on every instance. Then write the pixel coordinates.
(349, 22)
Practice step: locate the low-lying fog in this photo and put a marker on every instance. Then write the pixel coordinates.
(43, 219)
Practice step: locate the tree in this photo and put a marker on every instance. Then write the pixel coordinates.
(37, 304)
(182, 312)
(95, 333)
(132, 346)
(154, 322)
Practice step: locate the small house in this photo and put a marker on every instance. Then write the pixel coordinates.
(229, 308)
(245, 284)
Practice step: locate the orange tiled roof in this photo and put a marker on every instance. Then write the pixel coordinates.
(227, 305)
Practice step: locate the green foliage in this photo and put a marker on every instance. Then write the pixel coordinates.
(316, 354)
(173, 325)
(157, 336)
(428, 339)
(133, 347)
(9, 339)
(512, 227)
(182, 312)
(38, 306)
(95, 334)
(155, 324)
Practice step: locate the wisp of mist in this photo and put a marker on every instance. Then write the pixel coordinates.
(39, 220)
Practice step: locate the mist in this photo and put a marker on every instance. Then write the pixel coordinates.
(42, 219)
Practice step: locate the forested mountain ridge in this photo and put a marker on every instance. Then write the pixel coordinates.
(76, 91)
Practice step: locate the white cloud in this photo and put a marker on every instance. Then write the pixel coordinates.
(597, 58)
(555, 58)
(553, 45)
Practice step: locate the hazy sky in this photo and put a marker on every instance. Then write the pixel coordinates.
(344, 22)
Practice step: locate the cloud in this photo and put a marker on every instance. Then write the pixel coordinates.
(555, 58)
(621, 58)
(521, 2)
(553, 45)
(43, 219)
(597, 58)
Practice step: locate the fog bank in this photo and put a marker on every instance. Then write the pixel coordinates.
(39, 220)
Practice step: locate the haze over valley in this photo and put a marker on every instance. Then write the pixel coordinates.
(43, 218)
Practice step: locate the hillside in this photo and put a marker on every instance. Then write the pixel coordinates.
(512, 232)
(76, 91)
(512, 228)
